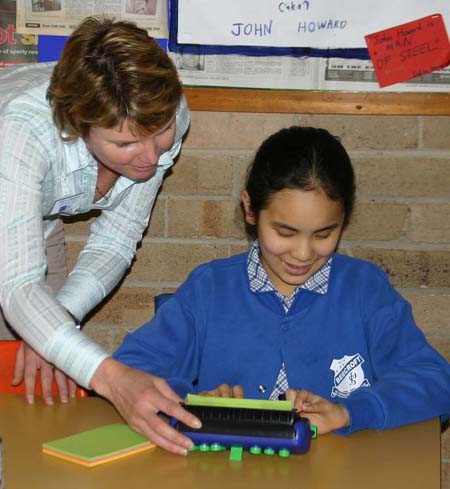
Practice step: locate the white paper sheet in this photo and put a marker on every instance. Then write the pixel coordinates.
(297, 23)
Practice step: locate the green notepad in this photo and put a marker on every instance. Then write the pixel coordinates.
(99, 445)
(195, 400)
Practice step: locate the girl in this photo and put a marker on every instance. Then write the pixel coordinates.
(292, 317)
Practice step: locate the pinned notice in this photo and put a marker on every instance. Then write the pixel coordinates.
(409, 50)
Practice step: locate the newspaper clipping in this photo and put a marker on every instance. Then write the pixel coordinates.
(246, 71)
(285, 72)
(14, 48)
(60, 17)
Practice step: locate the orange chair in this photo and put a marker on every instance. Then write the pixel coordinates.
(8, 349)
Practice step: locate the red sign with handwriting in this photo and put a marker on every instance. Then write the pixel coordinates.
(409, 50)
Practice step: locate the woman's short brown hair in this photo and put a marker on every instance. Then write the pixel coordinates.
(110, 71)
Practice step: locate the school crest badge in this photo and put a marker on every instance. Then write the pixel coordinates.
(348, 375)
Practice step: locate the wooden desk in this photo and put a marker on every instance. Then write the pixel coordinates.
(407, 457)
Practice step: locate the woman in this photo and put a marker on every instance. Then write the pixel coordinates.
(99, 135)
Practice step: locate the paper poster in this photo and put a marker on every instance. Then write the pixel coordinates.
(409, 50)
(58, 17)
(296, 23)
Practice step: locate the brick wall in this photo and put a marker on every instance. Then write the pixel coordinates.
(401, 221)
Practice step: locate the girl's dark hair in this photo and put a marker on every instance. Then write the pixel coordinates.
(304, 158)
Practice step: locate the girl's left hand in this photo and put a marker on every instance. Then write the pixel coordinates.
(326, 415)
(224, 390)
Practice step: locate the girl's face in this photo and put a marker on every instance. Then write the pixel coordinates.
(297, 233)
(135, 157)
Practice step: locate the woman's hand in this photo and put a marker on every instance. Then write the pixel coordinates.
(224, 390)
(326, 415)
(26, 368)
(139, 397)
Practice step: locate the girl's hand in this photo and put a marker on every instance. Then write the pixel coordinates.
(326, 415)
(224, 390)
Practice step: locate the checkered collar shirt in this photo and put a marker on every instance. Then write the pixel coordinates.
(260, 282)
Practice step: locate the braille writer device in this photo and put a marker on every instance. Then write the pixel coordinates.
(257, 426)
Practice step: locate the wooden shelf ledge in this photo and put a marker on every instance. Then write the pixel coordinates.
(317, 102)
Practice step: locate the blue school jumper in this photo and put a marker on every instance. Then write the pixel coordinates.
(357, 344)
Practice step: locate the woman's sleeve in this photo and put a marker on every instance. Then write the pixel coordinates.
(109, 250)
(27, 302)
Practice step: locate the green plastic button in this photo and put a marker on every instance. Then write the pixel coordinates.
(194, 448)
(236, 453)
(255, 450)
(269, 451)
(215, 447)
(313, 428)
(284, 453)
(204, 447)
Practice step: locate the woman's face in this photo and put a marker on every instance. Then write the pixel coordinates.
(135, 157)
(298, 232)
